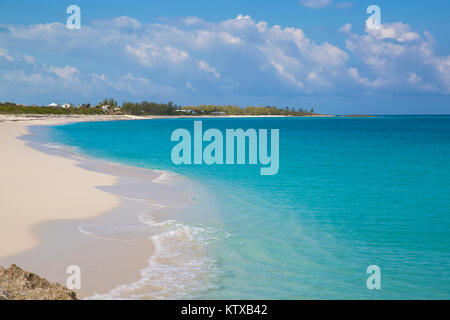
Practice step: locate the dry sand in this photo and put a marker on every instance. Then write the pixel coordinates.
(36, 187)
(43, 200)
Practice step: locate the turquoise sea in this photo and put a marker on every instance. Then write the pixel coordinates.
(350, 193)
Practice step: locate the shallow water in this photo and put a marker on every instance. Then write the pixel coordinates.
(138, 250)
(350, 193)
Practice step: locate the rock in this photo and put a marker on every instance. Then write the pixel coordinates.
(17, 284)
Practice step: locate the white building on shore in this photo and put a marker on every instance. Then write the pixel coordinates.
(188, 111)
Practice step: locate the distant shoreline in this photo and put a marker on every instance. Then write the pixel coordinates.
(78, 118)
(356, 116)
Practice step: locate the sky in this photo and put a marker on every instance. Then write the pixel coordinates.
(321, 54)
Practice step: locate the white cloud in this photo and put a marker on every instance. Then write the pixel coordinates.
(138, 86)
(150, 55)
(346, 28)
(399, 60)
(247, 55)
(190, 21)
(315, 3)
(4, 54)
(395, 31)
(66, 73)
(354, 73)
(203, 65)
(244, 57)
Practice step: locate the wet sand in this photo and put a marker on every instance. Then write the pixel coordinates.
(45, 198)
(121, 225)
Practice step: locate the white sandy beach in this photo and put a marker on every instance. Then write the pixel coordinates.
(36, 187)
(45, 198)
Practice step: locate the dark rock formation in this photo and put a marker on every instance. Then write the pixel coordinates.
(17, 284)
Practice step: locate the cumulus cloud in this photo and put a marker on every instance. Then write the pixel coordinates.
(398, 59)
(240, 57)
(126, 22)
(245, 55)
(395, 31)
(149, 54)
(31, 82)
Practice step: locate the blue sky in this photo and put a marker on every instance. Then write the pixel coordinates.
(298, 53)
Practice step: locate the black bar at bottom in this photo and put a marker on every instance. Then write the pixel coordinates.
(178, 310)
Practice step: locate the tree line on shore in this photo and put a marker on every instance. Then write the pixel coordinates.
(111, 106)
(249, 110)
(8, 108)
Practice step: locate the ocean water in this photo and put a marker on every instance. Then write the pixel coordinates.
(350, 193)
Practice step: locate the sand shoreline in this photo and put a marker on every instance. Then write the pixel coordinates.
(31, 193)
(27, 172)
(43, 199)
(80, 118)
(43, 236)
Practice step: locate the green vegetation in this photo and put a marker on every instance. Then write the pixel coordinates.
(256, 111)
(11, 108)
(149, 108)
(111, 106)
(109, 102)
